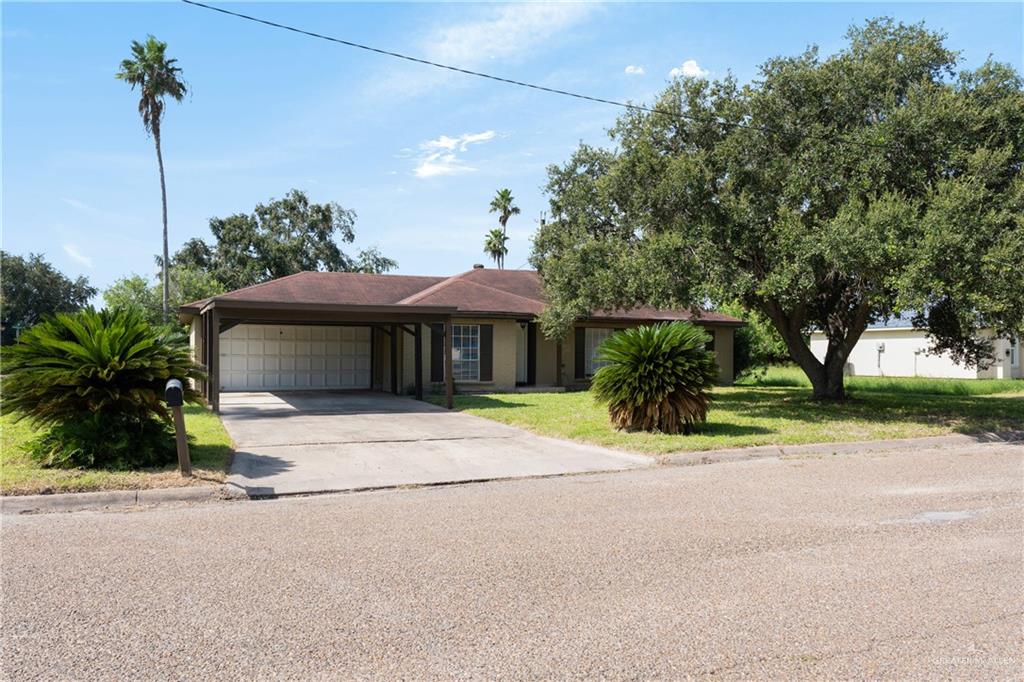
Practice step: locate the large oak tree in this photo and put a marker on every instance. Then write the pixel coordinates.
(827, 194)
(281, 237)
(33, 289)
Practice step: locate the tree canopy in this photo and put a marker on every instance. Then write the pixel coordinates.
(136, 293)
(504, 205)
(279, 238)
(32, 289)
(826, 194)
(495, 246)
(156, 77)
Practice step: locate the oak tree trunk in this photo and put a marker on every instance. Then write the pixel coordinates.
(826, 376)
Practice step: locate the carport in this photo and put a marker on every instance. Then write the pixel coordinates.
(280, 341)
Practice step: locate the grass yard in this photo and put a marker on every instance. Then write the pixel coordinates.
(793, 377)
(768, 415)
(210, 449)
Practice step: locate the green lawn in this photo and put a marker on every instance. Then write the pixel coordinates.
(752, 415)
(790, 376)
(19, 475)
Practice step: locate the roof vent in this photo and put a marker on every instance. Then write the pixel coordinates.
(478, 266)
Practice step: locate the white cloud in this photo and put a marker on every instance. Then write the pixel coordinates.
(437, 164)
(459, 143)
(690, 69)
(95, 213)
(510, 31)
(440, 156)
(495, 34)
(77, 255)
(80, 205)
(635, 70)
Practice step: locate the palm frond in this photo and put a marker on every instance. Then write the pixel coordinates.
(156, 78)
(657, 377)
(91, 362)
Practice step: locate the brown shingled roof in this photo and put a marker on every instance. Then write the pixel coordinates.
(349, 288)
(470, 297)
(478, 291)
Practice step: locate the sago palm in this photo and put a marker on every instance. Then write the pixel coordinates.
(95, 382)
(494, 246)
(89, 361)
(156, 78)
(658, 377)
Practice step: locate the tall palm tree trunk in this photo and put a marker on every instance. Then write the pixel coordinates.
(163, 198)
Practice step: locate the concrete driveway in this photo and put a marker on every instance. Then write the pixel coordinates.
(325, 441)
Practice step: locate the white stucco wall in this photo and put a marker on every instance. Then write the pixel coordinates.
(906, 355)
(195, 340)
(1007, 365)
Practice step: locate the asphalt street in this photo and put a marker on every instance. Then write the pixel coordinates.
(900, 565)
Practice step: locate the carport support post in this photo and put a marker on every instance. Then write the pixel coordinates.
(214, 367)
(558, 363)
(449, 381)
(418, 359)
(394, 359)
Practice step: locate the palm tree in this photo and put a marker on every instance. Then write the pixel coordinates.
(503, 206)
(157, 78)
(494, 246)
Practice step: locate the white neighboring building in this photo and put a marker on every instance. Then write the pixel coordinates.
(897, 349)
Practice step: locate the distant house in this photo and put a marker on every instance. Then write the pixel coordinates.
(896, 348)
(387, 332)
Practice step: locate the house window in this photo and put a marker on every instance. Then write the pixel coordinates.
(595, 336)
(1014, 353)
(466, 352)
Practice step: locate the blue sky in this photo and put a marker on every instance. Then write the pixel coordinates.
(416, 152)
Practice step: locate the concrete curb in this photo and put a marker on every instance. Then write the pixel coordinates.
(113, 499)
(812, 449)
(123, 499)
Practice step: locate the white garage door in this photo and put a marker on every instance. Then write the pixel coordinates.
(261, 357)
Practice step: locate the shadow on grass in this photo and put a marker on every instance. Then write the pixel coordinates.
(483, 402)
(713, 428)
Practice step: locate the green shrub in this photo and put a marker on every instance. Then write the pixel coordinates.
(658, 378)
(98, 440)
(756, 345)
(95, 381)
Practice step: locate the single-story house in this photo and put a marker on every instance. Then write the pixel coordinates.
(386, 332)
(895, 348)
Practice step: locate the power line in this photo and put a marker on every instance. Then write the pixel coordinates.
(510, 81)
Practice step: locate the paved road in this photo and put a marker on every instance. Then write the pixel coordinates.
(894, 566)
(328, 441)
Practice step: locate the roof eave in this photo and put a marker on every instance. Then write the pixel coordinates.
(329, 307)
(695, 320)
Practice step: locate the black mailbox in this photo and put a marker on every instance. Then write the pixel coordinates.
(173, 393)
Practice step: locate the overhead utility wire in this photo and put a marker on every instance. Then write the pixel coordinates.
(510, 81)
